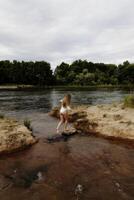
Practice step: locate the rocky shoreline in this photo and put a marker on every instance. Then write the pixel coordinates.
(14, 136)
(110, 121)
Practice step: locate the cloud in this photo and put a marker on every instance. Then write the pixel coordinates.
(65, 30)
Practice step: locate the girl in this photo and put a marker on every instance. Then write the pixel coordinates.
(65, 107)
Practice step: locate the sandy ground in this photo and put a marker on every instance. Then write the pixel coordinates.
(113, 120)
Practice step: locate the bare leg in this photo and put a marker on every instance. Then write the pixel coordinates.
(60, 123)
(66, 122)
(65, 127)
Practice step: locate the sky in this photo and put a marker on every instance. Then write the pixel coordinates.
(66, 30)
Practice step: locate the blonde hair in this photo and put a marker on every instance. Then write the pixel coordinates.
(64, 103)
(67, 99)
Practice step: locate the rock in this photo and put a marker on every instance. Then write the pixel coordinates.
(69, 132)
(55, 112)
(73, 114)
(117, 117)
(14, 136)
(78, 189)
(40, 176)
(109, 121)
(64, 136)
(85, 125)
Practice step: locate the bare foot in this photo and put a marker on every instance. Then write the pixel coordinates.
(66, 130)
(57, 131)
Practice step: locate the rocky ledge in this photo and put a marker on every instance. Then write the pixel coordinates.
(112, 120)
(14, 136)
(75, 114)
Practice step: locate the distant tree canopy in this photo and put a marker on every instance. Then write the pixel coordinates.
(34, 73)
(88, 73)
(80, 72)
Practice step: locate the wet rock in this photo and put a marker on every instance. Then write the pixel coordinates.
(14, 136)
(64, 136)
(78, 191)
(69, 132)
(55, 138)
(39, 175)
(73, 114)
(117, 185)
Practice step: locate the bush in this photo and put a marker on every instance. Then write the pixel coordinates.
(27, 123)
(129, 101)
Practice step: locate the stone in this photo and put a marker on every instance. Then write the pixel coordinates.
(14, 136)
(55, 112)
(112, 121)
(64, 136)
(85, 125)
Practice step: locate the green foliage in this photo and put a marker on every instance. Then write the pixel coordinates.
(84, 73)
(80, 72)
(33, 73)
(27, 123)
(126, 73)
(129, 101)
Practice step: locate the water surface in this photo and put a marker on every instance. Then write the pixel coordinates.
(52, 171)
(35, 104)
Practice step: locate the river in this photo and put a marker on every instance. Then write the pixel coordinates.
(52, 171)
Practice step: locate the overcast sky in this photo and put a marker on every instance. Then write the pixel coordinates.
(66, 30)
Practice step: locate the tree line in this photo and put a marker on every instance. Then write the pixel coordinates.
(29, 73)
(80, 72)
(89, 73)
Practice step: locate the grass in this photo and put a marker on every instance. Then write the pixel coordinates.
(27, 123)
(2, 116)
(129, 101)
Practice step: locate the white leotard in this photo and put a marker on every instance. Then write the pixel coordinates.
(63, 110)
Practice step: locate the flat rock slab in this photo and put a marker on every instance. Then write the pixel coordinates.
(69, 133)
(64, 136)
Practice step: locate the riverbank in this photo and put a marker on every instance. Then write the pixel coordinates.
(14, 136)
(63, 87)
(109, 120)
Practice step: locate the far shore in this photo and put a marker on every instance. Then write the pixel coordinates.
(66, 87)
